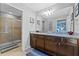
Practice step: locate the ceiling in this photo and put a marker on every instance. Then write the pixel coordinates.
(38, 6)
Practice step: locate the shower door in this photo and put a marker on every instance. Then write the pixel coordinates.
(14, 29)
(10, 31)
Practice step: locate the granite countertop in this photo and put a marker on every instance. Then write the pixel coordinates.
(75, 35)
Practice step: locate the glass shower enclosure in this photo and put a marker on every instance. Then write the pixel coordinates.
(10, 27)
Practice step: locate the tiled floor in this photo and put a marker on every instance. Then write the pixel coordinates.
(14, 52)
(18, 52)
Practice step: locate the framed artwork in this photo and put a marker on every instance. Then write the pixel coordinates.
(31, 20)
(38, 22)
(76, 10)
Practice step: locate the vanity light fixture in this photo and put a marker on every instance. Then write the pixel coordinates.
(48, 12)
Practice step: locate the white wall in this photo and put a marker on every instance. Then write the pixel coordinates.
(27, 27)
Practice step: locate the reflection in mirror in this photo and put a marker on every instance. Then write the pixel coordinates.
(61, 26)
(58, 11)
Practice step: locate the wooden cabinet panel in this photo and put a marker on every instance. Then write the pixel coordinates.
(40, 42)
(66, 50)
(69, 50)
(33, 41)
(50, 45)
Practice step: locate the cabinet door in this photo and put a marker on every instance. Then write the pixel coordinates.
(67, 50)
(64, 49)
(40, 42)
(33, 41)
(50, 45)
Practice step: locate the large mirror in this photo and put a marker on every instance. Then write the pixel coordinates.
(58, 18)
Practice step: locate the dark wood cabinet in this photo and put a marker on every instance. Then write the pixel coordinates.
(40, 42)
(53, 45)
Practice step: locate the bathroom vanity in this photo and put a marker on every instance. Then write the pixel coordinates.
(54, 43)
